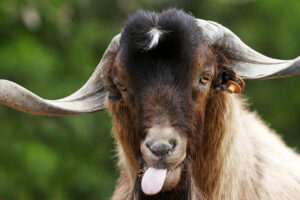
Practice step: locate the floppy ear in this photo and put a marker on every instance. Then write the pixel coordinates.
(244, 61)
(91, 97)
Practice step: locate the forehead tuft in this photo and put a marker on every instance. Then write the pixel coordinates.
(154, 35)
(159, 42)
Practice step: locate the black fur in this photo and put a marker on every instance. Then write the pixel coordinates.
(165, 67)
(164, 72)
(171, 58)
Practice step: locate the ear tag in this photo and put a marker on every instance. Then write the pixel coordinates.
(242, 81)
(233, 87)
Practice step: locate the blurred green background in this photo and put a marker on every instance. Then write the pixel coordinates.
(52, 46)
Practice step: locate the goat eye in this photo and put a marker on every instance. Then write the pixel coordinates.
(114, 97)
(204, 79)
(123, 89)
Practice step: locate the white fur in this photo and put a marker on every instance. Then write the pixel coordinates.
(154, 35)
(246, 136)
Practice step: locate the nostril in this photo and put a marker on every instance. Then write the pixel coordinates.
(148, 145)
(173, 143)
(160, 148)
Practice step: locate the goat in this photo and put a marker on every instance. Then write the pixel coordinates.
(170, 81)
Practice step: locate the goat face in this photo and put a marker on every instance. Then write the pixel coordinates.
(162, 77)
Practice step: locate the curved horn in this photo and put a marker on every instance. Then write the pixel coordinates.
(246, 62)
(89, 98)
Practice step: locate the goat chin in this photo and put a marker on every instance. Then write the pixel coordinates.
(172, 179)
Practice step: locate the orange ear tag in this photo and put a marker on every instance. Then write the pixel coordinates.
(233, 87)
(242, 81)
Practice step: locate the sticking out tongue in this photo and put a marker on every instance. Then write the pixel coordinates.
(153, 180)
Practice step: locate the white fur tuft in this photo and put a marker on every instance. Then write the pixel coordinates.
(154, 34)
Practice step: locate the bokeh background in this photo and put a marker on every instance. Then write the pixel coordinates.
(52, 46)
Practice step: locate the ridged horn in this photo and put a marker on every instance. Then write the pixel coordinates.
(89, 98)
(246, 62)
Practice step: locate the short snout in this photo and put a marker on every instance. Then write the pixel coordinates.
(163, 147)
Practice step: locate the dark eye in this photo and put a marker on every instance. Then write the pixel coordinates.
(204, 79)
(113, 93)
(122, 88)
(114, 96)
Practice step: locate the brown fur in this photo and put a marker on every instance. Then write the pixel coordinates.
(230, 152)
(216, 171)
(203, 148)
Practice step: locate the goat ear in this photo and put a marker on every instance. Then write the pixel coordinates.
(229, 83)
(227, 80)
(89, 98)
(235, 86)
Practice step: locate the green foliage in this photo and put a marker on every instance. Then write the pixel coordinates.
(51, 47)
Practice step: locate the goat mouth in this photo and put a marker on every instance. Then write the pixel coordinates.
(155, 180)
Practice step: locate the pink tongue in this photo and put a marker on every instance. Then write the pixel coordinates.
(153, 180)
